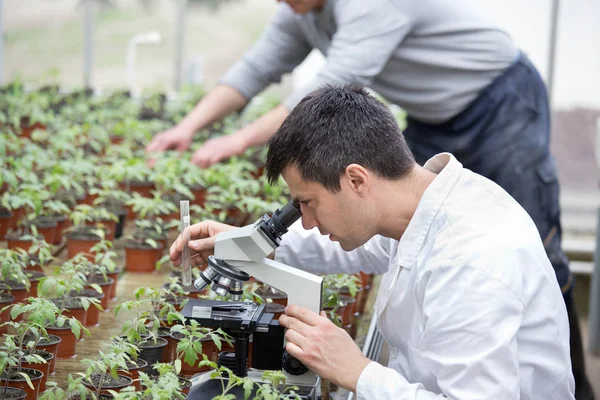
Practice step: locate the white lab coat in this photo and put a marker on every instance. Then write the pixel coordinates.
(468, 302)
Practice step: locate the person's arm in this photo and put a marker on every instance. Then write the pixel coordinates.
(469, 340)
(312, 252)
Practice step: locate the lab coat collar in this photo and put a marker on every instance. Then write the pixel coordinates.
(448, 169)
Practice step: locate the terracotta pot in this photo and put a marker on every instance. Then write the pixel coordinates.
(208, 348)
(20, 383)
(17, 243)
(365, 279)
(78, 312)
(89, 199)
(93, 313)
(113, 288)
(109, 226)
(117, 387)
(169, 353)
(27, 130)
(19, 292)
(141, 259)
(199, 195)
(51, 345)
(106, 288)
(44, 368)
(6, 218)
(144, 189)
(34, 280)
(47, 228)
(14, 393)
(116, 139)
(67, 347)
(185, 385)
(6, 299)
(134, 373)
(81, 243)
(62, 224)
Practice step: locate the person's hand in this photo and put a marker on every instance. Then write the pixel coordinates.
(323, 347)
(201, 244)
(177, 138)
(217, 149)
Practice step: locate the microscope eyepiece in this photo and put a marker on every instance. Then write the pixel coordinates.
(281, 220)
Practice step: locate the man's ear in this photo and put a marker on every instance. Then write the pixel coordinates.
(357, 178)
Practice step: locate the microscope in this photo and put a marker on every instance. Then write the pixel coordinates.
(239, 254)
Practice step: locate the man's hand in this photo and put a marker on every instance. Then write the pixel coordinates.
(217, 149)
(201, 244)
(323, 347)
(177, 138)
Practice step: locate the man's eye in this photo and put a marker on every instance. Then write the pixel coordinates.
(305, 202)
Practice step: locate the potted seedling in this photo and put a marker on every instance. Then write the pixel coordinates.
(111, 198)
(12, 277)
(12, 374)
(84, 235)
(27, 337)
(104, 270)
(141, 328)
(76, 390)
(194, 342)
(102, 373)
(39, 313)
(120, 346)
(65, 289)
(53, 212)
(164, 386)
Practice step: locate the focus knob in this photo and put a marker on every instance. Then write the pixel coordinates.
(292, 365)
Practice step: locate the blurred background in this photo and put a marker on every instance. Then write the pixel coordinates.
(44, 41)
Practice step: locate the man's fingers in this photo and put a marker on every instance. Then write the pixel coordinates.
(295, 337)
(295, 350)
(303, 314)
(293, 323)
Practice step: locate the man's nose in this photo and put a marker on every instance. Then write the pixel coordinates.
(308, 220)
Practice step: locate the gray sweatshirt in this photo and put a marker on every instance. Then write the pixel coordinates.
(430, 57)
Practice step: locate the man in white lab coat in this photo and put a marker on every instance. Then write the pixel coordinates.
(468, 301)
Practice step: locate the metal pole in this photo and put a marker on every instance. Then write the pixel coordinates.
(552, 51)
(88, 51)
(179, 41)
(594, 313)
(1, 44)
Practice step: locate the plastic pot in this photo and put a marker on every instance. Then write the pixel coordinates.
(134, 372)
(19, 382)
(51, 345)
(152, 353)
(5, 300)
(141, 257)
(6, 218)
(106, 287)
(45, 368)
(109, 383)
(68, 344)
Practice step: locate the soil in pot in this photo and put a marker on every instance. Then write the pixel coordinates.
(19, 382)
(50, 344)
(12, 394)
(67, 347)
(107, 383)
(152, 352)
(141, 257)
(45, 368)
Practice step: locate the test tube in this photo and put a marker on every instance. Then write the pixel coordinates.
(186, 268)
